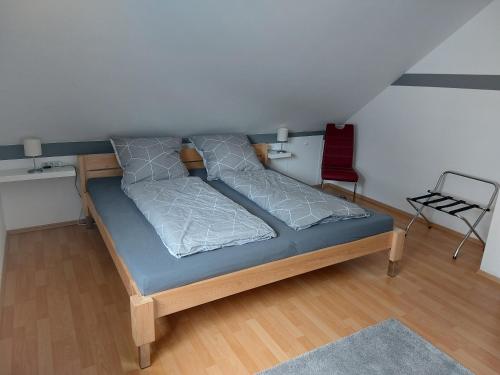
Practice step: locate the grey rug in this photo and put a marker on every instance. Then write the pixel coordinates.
(385, 348)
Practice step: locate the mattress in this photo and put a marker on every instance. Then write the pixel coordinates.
(154, 269)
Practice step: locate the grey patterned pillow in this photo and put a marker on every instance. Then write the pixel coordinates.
(149, 159)
(231, 152)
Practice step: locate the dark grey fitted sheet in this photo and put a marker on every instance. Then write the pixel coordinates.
(154, 269)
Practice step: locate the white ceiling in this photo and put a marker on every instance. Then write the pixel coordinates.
(82, 70)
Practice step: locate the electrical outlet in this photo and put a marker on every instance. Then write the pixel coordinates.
(53, 163)
(275, 146)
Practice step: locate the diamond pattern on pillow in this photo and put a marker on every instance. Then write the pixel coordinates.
(228, 152)
(149, 159)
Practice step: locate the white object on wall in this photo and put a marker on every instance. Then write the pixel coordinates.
(20, 174)
(282, 135)
(305, 162)
(32, 147)
(272, 155)
(33, 203)
(408, 135)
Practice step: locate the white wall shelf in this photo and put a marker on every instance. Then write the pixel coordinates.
(278, 155)
(21, 174)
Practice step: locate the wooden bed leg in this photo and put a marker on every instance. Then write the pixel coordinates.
(396, 252)
(89, 222)
(143, 327)
(393, 269)
(144, 355)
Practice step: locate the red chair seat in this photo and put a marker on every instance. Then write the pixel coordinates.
(339, 174)
(338, 153)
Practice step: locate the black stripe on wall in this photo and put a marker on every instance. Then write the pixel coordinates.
(58, 149)
(11, 152)
(456, 81)
(271, 138)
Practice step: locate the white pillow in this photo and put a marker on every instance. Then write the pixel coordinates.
(232, 152)
(149, 159)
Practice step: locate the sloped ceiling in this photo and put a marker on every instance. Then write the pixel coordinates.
(85, 69)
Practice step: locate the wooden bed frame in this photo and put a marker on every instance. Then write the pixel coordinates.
(145, 309)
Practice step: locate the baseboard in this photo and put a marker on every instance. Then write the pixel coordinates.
(42, 227)
(489, 276)
(403, 213)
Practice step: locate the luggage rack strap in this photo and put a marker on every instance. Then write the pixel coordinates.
(443, 198)
(466, 208)
(449, 205)
(428, 203)
(416, 199)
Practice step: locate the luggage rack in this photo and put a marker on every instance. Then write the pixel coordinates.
(450, 205)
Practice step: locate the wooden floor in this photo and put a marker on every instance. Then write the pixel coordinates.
(65, 311)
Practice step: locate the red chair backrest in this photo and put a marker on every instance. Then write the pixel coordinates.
(338, 147)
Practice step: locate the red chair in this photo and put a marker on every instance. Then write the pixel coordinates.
(338, 155)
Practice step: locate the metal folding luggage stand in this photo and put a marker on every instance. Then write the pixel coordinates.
(436, 200)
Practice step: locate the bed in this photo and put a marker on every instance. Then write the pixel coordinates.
(160, 284)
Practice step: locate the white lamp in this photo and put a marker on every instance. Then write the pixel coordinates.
(282, 137)
(32, 149)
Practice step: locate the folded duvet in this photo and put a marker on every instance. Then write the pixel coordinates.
(190, 216)
(298, 205)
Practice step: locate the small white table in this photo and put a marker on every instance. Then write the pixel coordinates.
(21, 174)
(278, 155)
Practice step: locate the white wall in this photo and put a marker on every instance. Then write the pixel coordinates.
(31, 203)
(408, 135)
(306, 159)
(82, 70)
(473, 49)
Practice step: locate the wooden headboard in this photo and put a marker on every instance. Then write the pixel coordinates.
(106, 165)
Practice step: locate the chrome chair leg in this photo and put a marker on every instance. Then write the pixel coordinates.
(354, 192)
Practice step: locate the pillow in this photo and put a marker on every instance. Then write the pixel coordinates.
(228, 152)
(149, 159)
